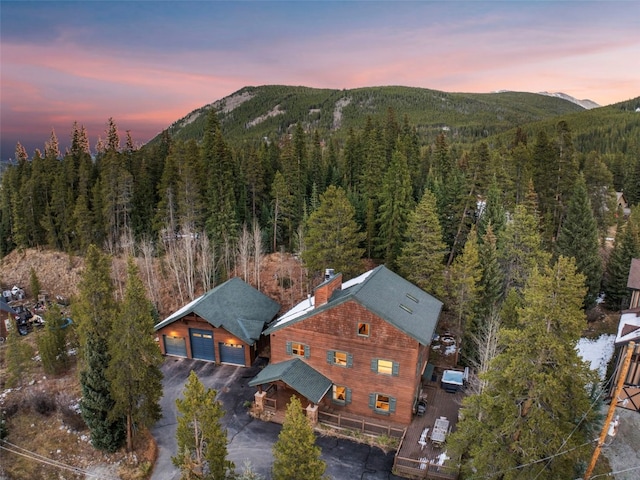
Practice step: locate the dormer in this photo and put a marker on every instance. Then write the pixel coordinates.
(324, 291)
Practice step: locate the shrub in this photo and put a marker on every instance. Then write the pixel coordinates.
(43, 404)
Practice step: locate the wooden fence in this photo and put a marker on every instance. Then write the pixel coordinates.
(359, 424)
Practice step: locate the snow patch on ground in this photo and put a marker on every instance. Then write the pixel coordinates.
(598, 352)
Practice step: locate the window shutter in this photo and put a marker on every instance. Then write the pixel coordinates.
(395, 369)
(392, 404)
(348, 396)
(289, 351)
(349, 360)
(330, 356)
(374, 364)
(372, 400)
(306, 351)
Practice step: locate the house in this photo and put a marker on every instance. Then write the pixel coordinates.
(224, 325)
(628, 331)
(633, 283)
(622, 204)
(357, 348)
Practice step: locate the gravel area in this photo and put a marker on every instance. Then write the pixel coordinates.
(623, 450)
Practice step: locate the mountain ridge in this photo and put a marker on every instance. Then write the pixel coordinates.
(255, 112)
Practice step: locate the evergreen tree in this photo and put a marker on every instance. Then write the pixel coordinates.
(52, 342)
(34, 283)
(625, 248)
(134, 370)
(463, 283)
(202, 442)
(422, 258)
(493, 212)
(17, 357)
(221, 220)
(333, 239)
(94, 313)
(396, 203)
(521, 249)
(579, 239)
(535, 402)
(295, 453)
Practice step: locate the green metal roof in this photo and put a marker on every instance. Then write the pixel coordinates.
(303, 378)
(235, 306)
(385, 293)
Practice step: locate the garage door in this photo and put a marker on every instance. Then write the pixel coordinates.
(231, 353)
(175, 346)
(202, 344)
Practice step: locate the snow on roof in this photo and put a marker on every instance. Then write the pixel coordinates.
(628, 328)
(308, 304)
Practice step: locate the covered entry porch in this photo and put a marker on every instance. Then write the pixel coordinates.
(276, 384)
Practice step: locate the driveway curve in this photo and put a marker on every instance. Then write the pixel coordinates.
(250, 440)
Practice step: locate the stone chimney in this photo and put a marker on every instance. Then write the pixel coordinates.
(325, 289)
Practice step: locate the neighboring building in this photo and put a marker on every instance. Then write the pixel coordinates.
(628, 331)
(224, 325)
(622, 204)
(633, 283)
(357, 348)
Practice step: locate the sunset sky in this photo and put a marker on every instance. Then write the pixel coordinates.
(149, 63)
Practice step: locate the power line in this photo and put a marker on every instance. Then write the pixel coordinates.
(613, 473)
(15, 449)
(603, 388)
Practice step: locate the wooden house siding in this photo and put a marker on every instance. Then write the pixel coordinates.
(180, 329)
(336, 329)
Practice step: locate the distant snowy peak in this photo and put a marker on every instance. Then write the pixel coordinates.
(586, 103)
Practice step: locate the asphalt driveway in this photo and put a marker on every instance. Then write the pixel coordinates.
(250, 439)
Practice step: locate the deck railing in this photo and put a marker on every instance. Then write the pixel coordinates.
(423, 470)
(360, 424)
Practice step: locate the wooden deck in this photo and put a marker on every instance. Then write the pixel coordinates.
(416, 460)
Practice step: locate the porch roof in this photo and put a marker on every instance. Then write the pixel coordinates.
(303, 378)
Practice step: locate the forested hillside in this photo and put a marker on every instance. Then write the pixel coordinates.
(501, 205)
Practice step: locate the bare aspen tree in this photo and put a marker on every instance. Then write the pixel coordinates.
(257, 252)
(227, 254)
(243, 250)
(206, 262)
(147, 251)
(486, 344)
(187, 244)
(172, 258)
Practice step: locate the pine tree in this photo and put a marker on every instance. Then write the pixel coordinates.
(333, 239)
(422, 258)
(464, 282)
(202, 442)
(396, 203)
(52, 342)
(579, 239)
(626, 248)
(521, 249)
(221, 220)
(17, 357)
(535, 402)
(134, 371)
(493, 212)
(295, 453)
(94, 313)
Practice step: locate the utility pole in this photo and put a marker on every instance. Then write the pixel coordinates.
(612, 409)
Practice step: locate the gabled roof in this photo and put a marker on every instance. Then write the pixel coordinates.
(634, 275)
(235, 306)
(303, 378)
(385, 293)
(628, 328)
